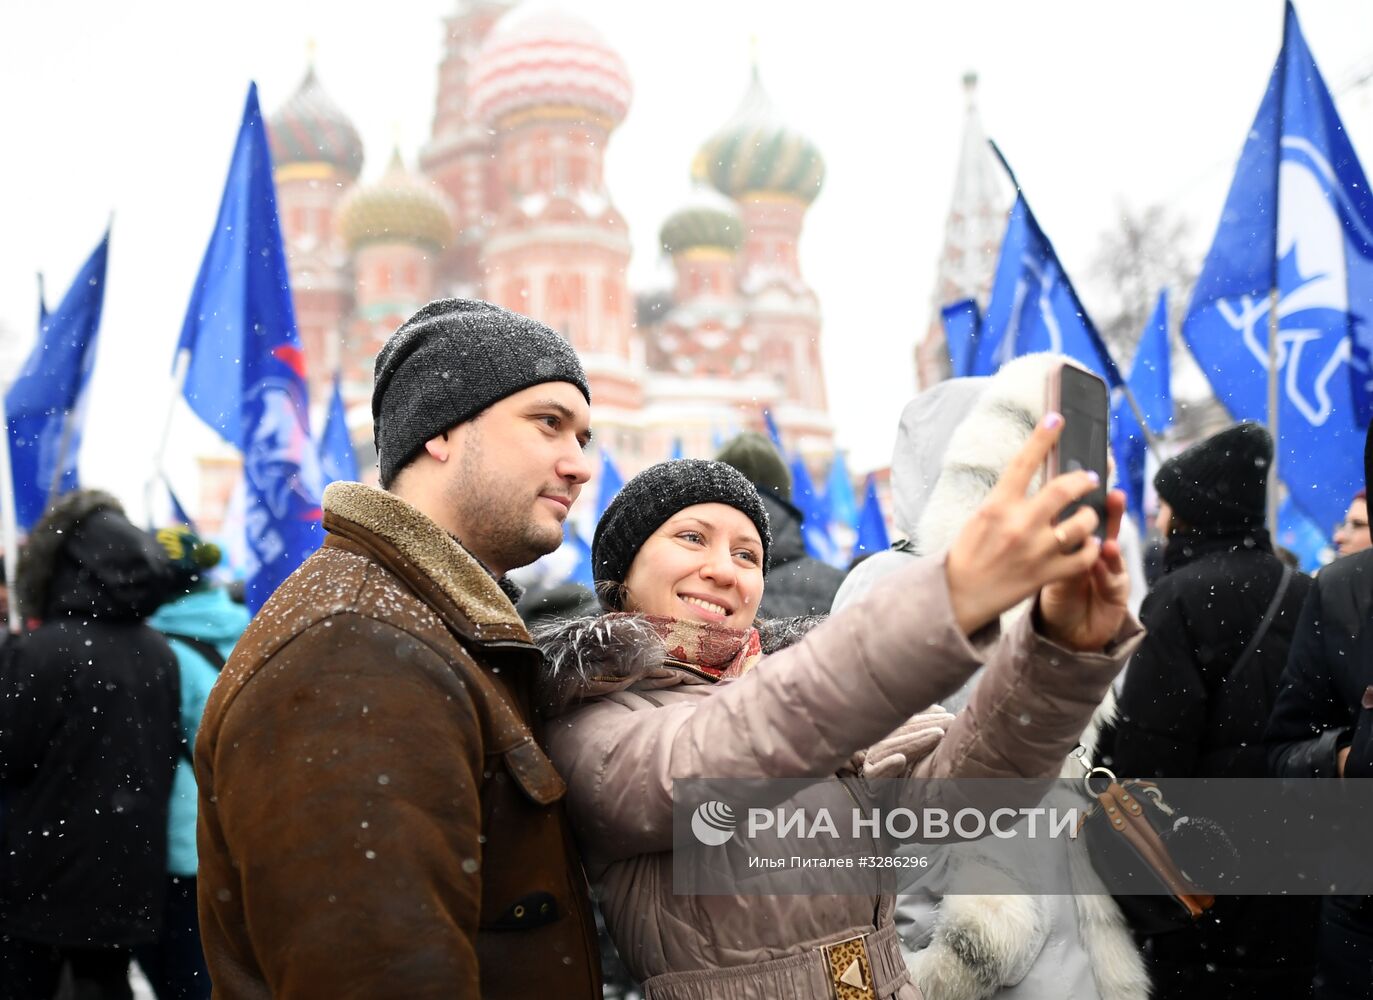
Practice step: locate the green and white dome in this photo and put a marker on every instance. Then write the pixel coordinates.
(757, 153)
(707, 220)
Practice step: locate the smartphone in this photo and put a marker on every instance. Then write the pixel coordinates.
(1083, 400)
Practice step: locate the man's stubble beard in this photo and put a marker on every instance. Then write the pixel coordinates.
(504, 518)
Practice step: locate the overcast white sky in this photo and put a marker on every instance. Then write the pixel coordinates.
(132, 108)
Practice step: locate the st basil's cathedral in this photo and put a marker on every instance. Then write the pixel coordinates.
(507, 201)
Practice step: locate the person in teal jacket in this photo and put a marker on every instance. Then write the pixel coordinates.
(201, 624)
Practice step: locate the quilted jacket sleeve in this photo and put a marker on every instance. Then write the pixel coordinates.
(1029, 710)
(850, 682)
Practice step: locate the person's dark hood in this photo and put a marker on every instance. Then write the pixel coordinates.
(85, 559)
(785, 521)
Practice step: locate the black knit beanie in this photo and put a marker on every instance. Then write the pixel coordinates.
(450, 361)
(653, 496)
(1221, 482)
(756, 457)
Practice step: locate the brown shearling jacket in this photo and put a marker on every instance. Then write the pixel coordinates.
(376, 817)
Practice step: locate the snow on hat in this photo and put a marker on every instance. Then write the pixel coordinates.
(1222, 481)
(450, 361)
(653, 496)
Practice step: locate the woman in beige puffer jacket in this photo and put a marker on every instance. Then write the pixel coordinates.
(684, 548)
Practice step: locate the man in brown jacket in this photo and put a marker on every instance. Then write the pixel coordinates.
(376, 816)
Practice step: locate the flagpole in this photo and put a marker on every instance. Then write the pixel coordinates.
(9, 528)
(179, 370)
(1150, 438)
(1273, 482)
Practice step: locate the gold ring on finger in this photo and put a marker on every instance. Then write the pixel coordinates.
(1062, 537)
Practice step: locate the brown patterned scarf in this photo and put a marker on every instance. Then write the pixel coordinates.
(710, 651)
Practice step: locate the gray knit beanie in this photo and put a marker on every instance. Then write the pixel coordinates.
(653, 496)
(450, 361)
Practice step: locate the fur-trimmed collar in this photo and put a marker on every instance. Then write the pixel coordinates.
(434, 552)
(586, 658)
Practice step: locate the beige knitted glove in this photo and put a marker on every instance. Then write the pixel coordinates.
(894, 755)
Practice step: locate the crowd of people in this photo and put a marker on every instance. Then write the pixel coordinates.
(403, 777)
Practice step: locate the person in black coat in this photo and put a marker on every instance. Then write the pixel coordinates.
(797, 584)
(89, 738)
(1194, 706)
(1322, 727)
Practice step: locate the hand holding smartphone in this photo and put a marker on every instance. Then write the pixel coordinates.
(1083, 399)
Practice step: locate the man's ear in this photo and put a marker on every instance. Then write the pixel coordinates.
(438, 447)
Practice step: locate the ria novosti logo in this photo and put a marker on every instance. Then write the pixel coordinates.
(713, 823)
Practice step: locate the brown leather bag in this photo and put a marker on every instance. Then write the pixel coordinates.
(1125, 833)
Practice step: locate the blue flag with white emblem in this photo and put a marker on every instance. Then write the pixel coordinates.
(1298, 219)
(45, 405)
(337, 458)
(245, 373)
(1033, 306)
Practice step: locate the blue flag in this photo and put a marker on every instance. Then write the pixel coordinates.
(337, 458)
(45, 406)
(1151, 373)
(1301, 536)
(1298, 219)
(581, 570)
(1131, 450)
(962, 328)
(677, 452)
(611, 482)
(1150, 382)
(843, 505)
(815, 515)
(179, 514)
(245, 373)
(1033, 306)
(872, 526)
(771, 424)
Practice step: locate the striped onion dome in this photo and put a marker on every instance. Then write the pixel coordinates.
(707, 219)
(757, 153)
(545, 57)
(399, 208)
(310, 128)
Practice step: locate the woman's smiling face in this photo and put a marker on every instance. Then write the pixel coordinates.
(704, 563)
